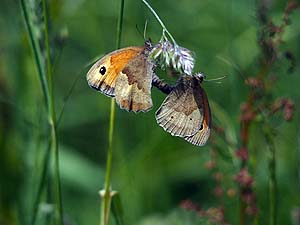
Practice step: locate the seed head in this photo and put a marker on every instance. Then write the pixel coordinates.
(173, 56)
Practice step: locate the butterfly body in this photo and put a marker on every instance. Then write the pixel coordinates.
(125, 74)
(185, 112)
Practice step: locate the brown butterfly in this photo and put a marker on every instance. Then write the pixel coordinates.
(125, 74)
(185, 112)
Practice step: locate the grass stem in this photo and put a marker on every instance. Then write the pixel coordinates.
(36, 52)
(52, 121)
(41, 184)
(107, 195)
(272, 181)
(165, 30)
(45, 77)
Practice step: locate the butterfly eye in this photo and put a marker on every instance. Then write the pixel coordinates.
(102, 70)
(201, 127)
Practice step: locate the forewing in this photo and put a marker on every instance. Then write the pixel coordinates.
(201, 137)
(133, 85)
(181, 113)
(113, 64)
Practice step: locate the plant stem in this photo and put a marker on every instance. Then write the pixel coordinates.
(272, 181)
(106, 201)
(52, 122)
(120, 25)
(36, 52)
(42, 183)
(107, 195)
(242, 210)
(165, 30)
(47, 89)
(273, 187)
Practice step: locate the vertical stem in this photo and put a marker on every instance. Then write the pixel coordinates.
(106, 197)
(41, 184)
(47, 88)
(244, 136)
(120, 25)
(272, 181)
(297, 155)
(52, 122)
(36, 52)
(242, 209)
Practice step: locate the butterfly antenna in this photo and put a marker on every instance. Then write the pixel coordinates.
(235, 66)
(139, 31)
(145, 29)
(215, 80)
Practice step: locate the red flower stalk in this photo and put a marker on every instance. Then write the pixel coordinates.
(242, 154)
(243, 178)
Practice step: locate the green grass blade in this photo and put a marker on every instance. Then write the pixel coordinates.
(106, 200)
(36, 52)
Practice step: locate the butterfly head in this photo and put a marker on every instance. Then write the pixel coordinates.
(148, 46)
(200, 76)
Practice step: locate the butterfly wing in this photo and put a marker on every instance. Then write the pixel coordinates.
(133, 85)
(201, 137)
(103, 74)
(181, 113)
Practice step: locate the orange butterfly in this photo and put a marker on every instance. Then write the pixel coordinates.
(125, 74)
(185, 112)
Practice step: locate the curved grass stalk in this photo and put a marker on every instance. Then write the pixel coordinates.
(36, 52)
(48, 97)
(272, 179)
(165, 30)
(45, 77)
(52, 122)
(107, 194)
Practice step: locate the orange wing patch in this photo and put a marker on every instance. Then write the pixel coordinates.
(103, 74)
(133, 85)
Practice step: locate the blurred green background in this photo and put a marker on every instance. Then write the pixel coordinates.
(153, 171)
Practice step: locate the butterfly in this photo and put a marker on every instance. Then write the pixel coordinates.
(126, 75)
(185, 112)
